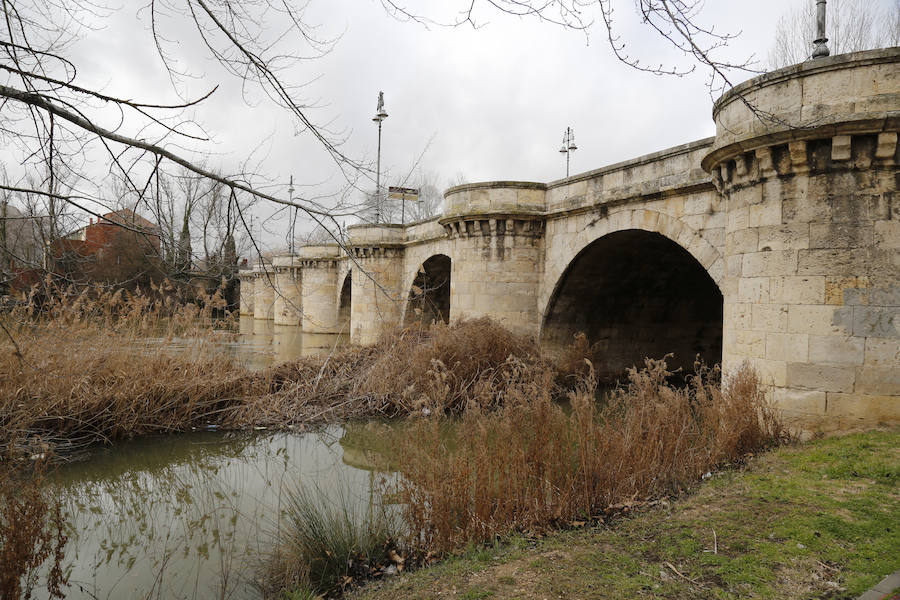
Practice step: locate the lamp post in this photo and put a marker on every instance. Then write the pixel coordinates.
(820, 41)
(380, 115)
(568, 146)
(293, 219)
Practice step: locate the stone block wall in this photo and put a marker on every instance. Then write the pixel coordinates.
(319, 265)
(287, 303)
(246, 293)
(812, 245)
(264, 294)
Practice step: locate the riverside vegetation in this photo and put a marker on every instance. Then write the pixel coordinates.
(78, 370)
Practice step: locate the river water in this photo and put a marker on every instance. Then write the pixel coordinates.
(195, 515)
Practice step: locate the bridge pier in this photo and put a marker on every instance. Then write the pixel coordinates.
(319, 265)
(287, 302)
(264, 293)
(377, 254)
(812, 245)
(497, 234)
(246, 292)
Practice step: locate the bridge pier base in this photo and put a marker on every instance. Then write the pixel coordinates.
(264, 293)
(377, 273)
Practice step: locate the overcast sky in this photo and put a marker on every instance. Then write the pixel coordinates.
(485, 104)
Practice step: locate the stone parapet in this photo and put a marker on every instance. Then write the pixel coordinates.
(495, 198)
(823, 98)
(376, 235)
(668, 172)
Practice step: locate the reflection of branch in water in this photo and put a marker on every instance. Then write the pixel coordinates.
(191, 527)
(155, 453)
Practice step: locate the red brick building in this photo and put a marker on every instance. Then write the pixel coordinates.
(121, 247)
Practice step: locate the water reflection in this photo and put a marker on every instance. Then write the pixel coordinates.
(192, 516)
(261, 343)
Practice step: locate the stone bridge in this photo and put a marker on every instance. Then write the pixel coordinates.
(776, 242)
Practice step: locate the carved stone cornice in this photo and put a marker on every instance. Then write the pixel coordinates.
(494, 226)
(372, 252)
(808, 156)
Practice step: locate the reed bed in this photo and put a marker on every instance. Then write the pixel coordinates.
(441, 369)
(82, 368)
(530, 465)
(78, 368)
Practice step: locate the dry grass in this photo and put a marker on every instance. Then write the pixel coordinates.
(441, 368)
(530, 465)
(77, 369)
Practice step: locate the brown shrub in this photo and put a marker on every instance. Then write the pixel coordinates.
(530, 465)
(471, 364)
(450, 368)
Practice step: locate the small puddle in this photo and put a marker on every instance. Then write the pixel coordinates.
(194, 515)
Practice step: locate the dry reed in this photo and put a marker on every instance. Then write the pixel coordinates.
(531, 465)
(83, 368)
(76, 369)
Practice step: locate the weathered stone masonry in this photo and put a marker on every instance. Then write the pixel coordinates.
(777, 242)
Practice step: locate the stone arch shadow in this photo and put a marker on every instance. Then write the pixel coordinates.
(428, 296)
(345, 301)
(637, 293)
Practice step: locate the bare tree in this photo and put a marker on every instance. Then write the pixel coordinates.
(852, 25)
(57, 125)
(54, 122)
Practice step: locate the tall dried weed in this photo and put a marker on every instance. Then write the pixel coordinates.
(76, 369)
(532, 465)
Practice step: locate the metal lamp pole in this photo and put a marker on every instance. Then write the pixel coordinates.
(820, 41)
(568, 146)
(292, 218)
(380, 115)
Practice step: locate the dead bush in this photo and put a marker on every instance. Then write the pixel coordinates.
(531, 465)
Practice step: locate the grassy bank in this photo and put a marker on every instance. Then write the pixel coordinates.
(817, 520)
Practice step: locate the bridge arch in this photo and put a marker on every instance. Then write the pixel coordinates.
(636, 290)
(345, 300)
(428, 298)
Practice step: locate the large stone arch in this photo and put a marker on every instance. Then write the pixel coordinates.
(429, 290)
(565, 247)
(638, 285)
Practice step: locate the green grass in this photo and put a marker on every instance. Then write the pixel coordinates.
(817, 520)
(327, 542)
